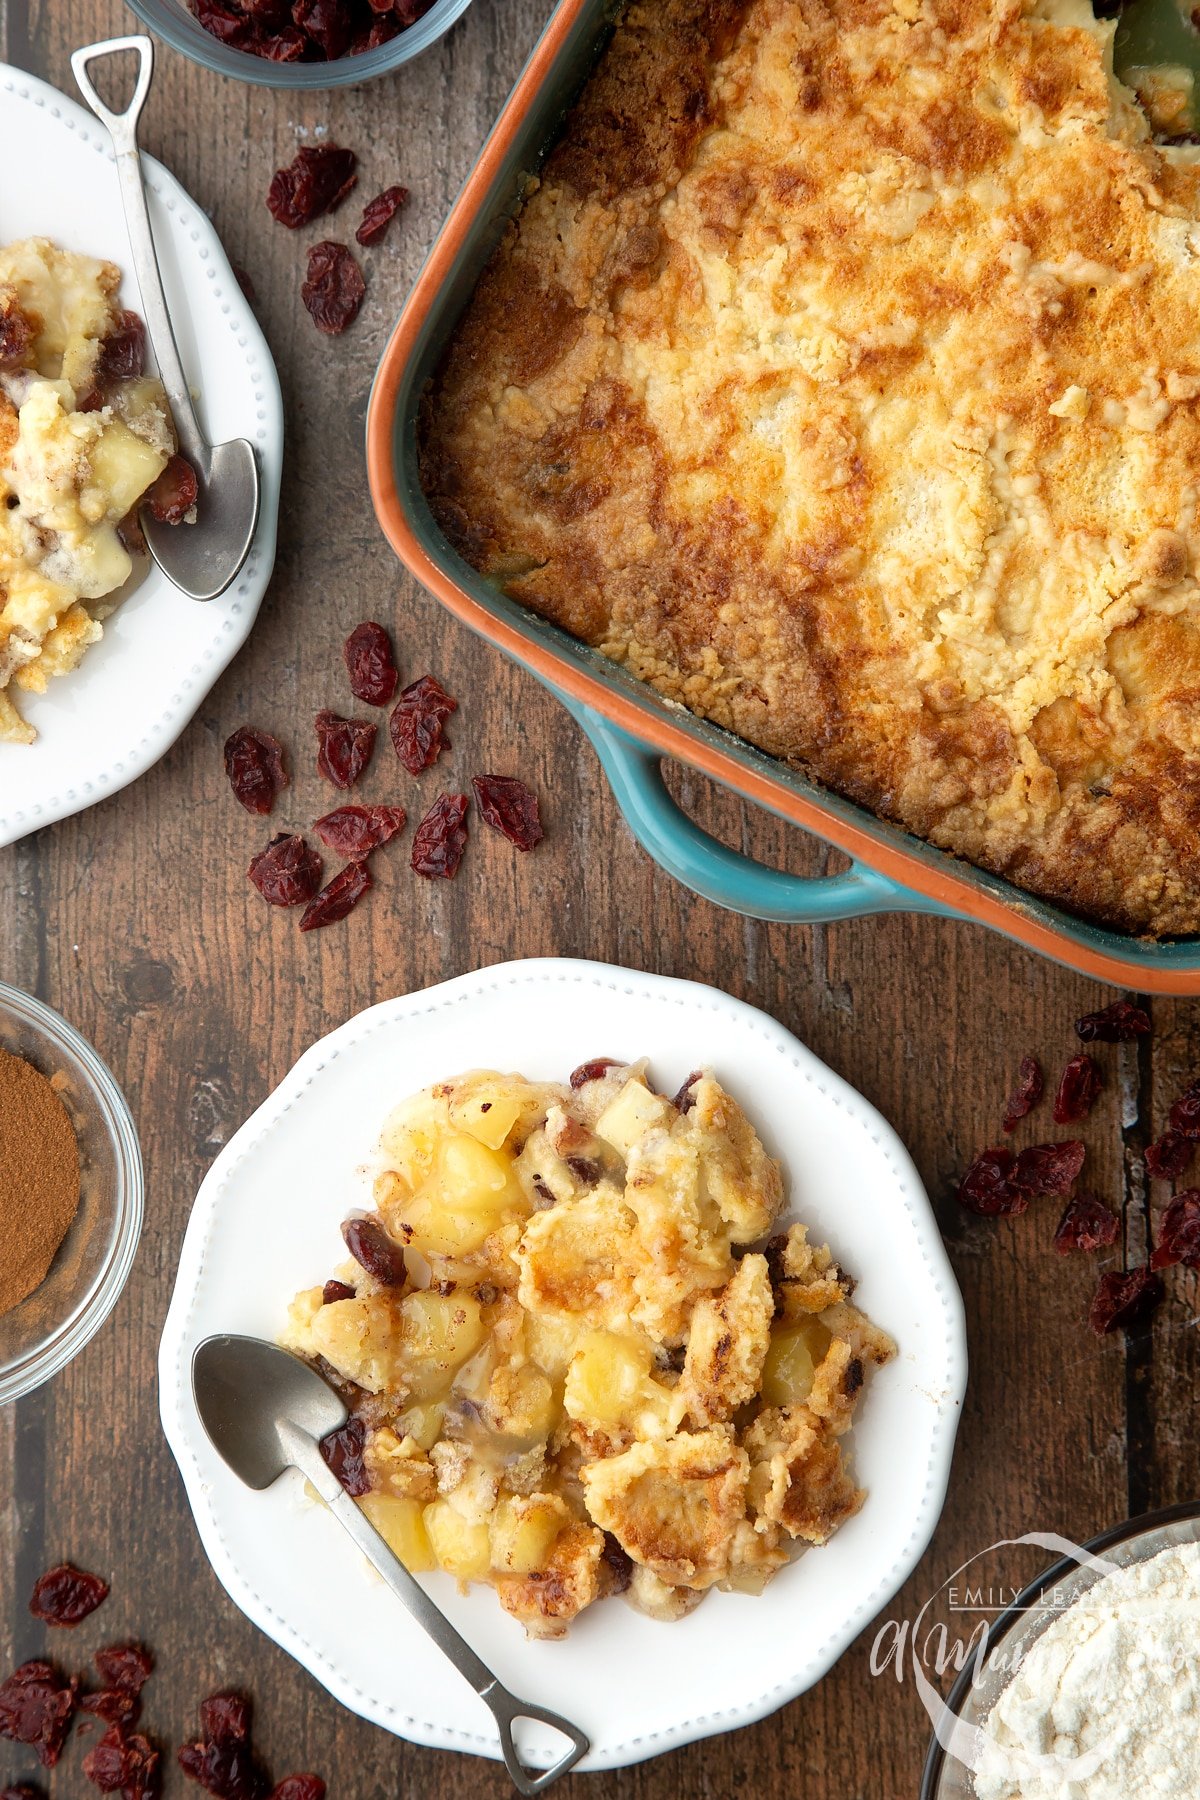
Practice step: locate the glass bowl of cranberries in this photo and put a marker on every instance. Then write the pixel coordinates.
(71, 1193)
(300, 43)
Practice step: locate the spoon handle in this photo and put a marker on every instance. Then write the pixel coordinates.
(122, 129)
(506, 1708)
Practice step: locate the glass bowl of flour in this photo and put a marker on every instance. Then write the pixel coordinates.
(1088, 1687)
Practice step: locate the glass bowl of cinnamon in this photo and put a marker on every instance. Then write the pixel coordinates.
(71, 1192)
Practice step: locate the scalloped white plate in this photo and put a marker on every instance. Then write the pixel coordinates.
(111, 719)
(266, 1223)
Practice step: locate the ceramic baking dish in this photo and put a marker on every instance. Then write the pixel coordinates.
(631, 727)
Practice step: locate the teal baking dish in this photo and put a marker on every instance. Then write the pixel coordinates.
(631, 727)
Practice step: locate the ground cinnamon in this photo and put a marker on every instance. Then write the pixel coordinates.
(39, 1178)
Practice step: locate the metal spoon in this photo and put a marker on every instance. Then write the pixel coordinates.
(265, 1412)
(204, 558)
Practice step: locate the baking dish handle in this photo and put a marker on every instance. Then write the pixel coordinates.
(708, 867)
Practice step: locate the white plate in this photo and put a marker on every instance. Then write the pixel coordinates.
(112, 718)
(266, 1223)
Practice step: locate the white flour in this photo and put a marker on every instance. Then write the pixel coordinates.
(1106, 1705)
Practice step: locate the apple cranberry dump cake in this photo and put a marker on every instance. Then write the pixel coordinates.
(840, 378)
(568, 1373)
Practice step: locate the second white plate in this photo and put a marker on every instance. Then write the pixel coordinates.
(111, 719)
(266, 1222)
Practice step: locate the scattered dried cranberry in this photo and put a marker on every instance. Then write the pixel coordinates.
(122, 354)
(371, 664)
(337, 898)
(287, 872)
(333, 289)
(316, 181)
(125, 1666)
(1026, 1094)
(355, 831)
(1184, 1116)
(225, 1717)
(66, 1595)
(1170, 1155)
(173, 495)
(336, 1290)
(1078, 1089)
(1179, 1233)
(510, 808)
(344, 747)
(417, 721)
(441, 838)
(36, 1707)
(123, 1762)
(227, 1770)
(299, 1787)
(985, 1188)
(1116, 1024)
(254, 765)
(1048, 1168)
(1124, 1300)
(378, 215)
(111, 1705)
(593, 1071)
(374, 1251)
(343, 1452)
(685, 1099)
(1087, 1224)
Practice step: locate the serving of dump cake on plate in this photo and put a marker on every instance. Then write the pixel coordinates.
(839, 377)
(569, 1372)
(84, 433)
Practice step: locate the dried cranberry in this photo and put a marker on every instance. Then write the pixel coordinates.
(66, 1595)
(1170, 1155)
(37, 1704)
(1184, 1116)
(254, 765)
(355, 831)
(374, 1251)
(17, 334)
(299, 1787)
(985, 1188)
(122, 354)
(1026, 1094)
(371, 664)
(316, 181)
(123, 1762)
(585, 1169)
(131, 534)
(441, 838)
(333, 290)
(125, 1666)
(173, 495)
(1078, 1090)
(1179, 1233)
(220, 22)
(225, 1717)
(1115, 1024)
(1048, 1168)
(111, 1705)
(227, 1770)
(1086, 1224)
(326, 23)
(417, 721)
(343, 1452)
(510, 808)
(593, 1071)
(334, 1291)
(344, 747)
(287, 872)
(618, 1564)
(337, 898)
(1121, 1301)
(685, 1099)
(286, 46)
(378, 215)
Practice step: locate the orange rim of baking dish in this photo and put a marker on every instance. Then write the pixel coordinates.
(948, 889)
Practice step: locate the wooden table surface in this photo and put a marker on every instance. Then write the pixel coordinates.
(136, 921)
